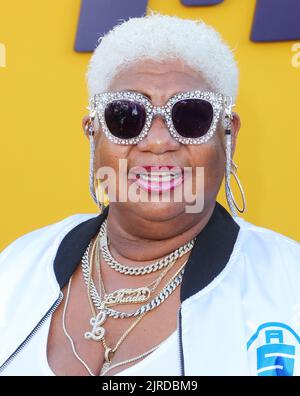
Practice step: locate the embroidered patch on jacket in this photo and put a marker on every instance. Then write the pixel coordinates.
(274, 350)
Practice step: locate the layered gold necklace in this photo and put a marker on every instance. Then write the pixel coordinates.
(101, 302)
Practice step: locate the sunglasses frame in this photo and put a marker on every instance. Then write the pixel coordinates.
(218, 102)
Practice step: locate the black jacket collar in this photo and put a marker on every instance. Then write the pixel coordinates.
(210, 254)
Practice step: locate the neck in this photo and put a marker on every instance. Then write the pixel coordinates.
(137, 241)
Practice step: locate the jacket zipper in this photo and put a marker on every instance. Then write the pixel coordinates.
(181, 360)
(33, 332)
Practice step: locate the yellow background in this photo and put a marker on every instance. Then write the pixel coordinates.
(44, 155)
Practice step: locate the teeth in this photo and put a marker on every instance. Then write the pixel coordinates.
(159, 176)
(161, 173)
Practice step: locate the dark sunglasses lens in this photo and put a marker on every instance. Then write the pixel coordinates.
(192, 118)
(125, 119)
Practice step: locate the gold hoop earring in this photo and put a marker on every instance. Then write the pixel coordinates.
(231, 169)
(102, 197)
(233, 172)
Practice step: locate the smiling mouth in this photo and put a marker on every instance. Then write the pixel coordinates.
(158, 178)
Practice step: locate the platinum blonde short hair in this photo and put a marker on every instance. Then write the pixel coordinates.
(161, 37)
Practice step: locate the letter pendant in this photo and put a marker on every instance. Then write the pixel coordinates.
(97, 332)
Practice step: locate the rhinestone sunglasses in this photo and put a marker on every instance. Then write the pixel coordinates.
(191, 117)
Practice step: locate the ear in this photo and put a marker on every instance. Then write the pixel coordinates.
(235, 127)
(84, 125)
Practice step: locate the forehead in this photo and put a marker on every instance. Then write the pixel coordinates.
(159, 78)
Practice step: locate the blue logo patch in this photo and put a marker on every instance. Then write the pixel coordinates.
(275, 344)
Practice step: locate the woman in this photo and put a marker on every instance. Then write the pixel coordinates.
(150, 286)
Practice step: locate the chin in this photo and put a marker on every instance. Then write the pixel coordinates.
(157, 211)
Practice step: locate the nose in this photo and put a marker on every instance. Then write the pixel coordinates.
(158, 139)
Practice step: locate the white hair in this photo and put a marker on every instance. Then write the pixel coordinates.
(161, 37)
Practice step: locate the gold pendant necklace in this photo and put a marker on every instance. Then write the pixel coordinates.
(122, 296)
(97, 332)
(127, 296)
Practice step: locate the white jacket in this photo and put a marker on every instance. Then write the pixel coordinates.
(240, 294)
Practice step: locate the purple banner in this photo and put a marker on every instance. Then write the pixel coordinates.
(97, 17)
(276, 20)
(200, 2)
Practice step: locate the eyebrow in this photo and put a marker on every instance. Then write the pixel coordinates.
(142, 92)
(149, 96)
